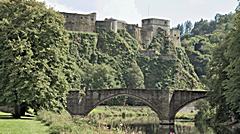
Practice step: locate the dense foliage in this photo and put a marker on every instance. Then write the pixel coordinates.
(206, 35)
(213, 49)
(33, 56)
(224, 72)
(165, 65)
(40, 61)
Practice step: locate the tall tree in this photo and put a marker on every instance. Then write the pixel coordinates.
(203, 27)
(188, 27)
(232, 84)
(225, 75)
(134, 77)
(180, 27)
(216, 77)
(33, 53)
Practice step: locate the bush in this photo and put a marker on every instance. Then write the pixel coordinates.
(63, 123)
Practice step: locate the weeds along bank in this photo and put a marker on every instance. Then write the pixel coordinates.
(63, 123)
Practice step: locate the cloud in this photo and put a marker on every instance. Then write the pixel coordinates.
(119, 9)
(61, 6)
(132, 11)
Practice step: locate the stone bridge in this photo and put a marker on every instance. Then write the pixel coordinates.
(165, 103)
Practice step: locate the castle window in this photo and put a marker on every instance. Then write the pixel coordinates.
(165, 22)
(175, 35)
(92, 19)
(81, 17)
(178, 38)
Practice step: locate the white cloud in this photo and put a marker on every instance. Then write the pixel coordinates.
(58, 6)
(132, 11)
(119, 9)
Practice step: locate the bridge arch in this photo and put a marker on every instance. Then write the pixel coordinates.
(157, 100)
(178, 101)
(164, 102)
(145, 101)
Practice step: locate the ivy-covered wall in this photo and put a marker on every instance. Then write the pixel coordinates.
(111, 60)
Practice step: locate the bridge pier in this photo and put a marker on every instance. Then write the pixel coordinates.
(165, 103)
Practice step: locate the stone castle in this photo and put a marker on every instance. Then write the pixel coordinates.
(144, 35)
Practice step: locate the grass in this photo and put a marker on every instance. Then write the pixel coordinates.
(25, 125)
(127, 111)
(133, 111)
(186, 116)
(63, 123)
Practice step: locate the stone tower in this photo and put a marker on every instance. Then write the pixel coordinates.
(150, 27)
(79, 22)
(175, 36)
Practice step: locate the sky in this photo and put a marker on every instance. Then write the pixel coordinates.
(133, 11)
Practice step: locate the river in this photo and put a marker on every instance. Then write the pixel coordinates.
(149, 125)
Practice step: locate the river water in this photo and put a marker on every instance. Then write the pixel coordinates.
(149, 125)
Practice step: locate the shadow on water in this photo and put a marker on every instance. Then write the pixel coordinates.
(149, 125)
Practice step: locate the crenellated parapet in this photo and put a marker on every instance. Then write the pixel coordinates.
(144, 35)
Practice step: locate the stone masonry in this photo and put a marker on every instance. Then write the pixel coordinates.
(164, 102)
(144, 34)
(80, 22)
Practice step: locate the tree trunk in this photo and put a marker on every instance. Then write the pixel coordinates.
(17, 111)
(23, 109)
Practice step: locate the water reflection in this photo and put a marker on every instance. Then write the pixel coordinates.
(149, 125)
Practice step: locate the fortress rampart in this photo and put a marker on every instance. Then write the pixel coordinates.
(144, 34)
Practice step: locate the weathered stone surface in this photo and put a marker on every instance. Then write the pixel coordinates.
(144, 34)
(80, 22)
(165, 103)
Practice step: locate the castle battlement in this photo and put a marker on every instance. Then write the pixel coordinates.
(144, 35)
(156, 21)
(80, 22)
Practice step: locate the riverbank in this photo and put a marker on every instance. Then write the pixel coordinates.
(25, 125)
(124, 111)
(63, 123)
(94, 123)
(133, 111)
(52, 123)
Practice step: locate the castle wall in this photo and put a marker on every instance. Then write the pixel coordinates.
(111, 25)
(79, 22)
(151, 26)
(121, 25)
(135, 32)
(175, 36)
(144, 35)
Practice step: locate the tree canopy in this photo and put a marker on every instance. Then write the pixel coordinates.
(33, 53)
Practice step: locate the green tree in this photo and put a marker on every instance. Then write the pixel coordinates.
(203, 27)
(134, 77)
(99, 76)
(181, 28)
(232, 84)
(216, 77)
(188, 27)
(224, 76)
(33, 53)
